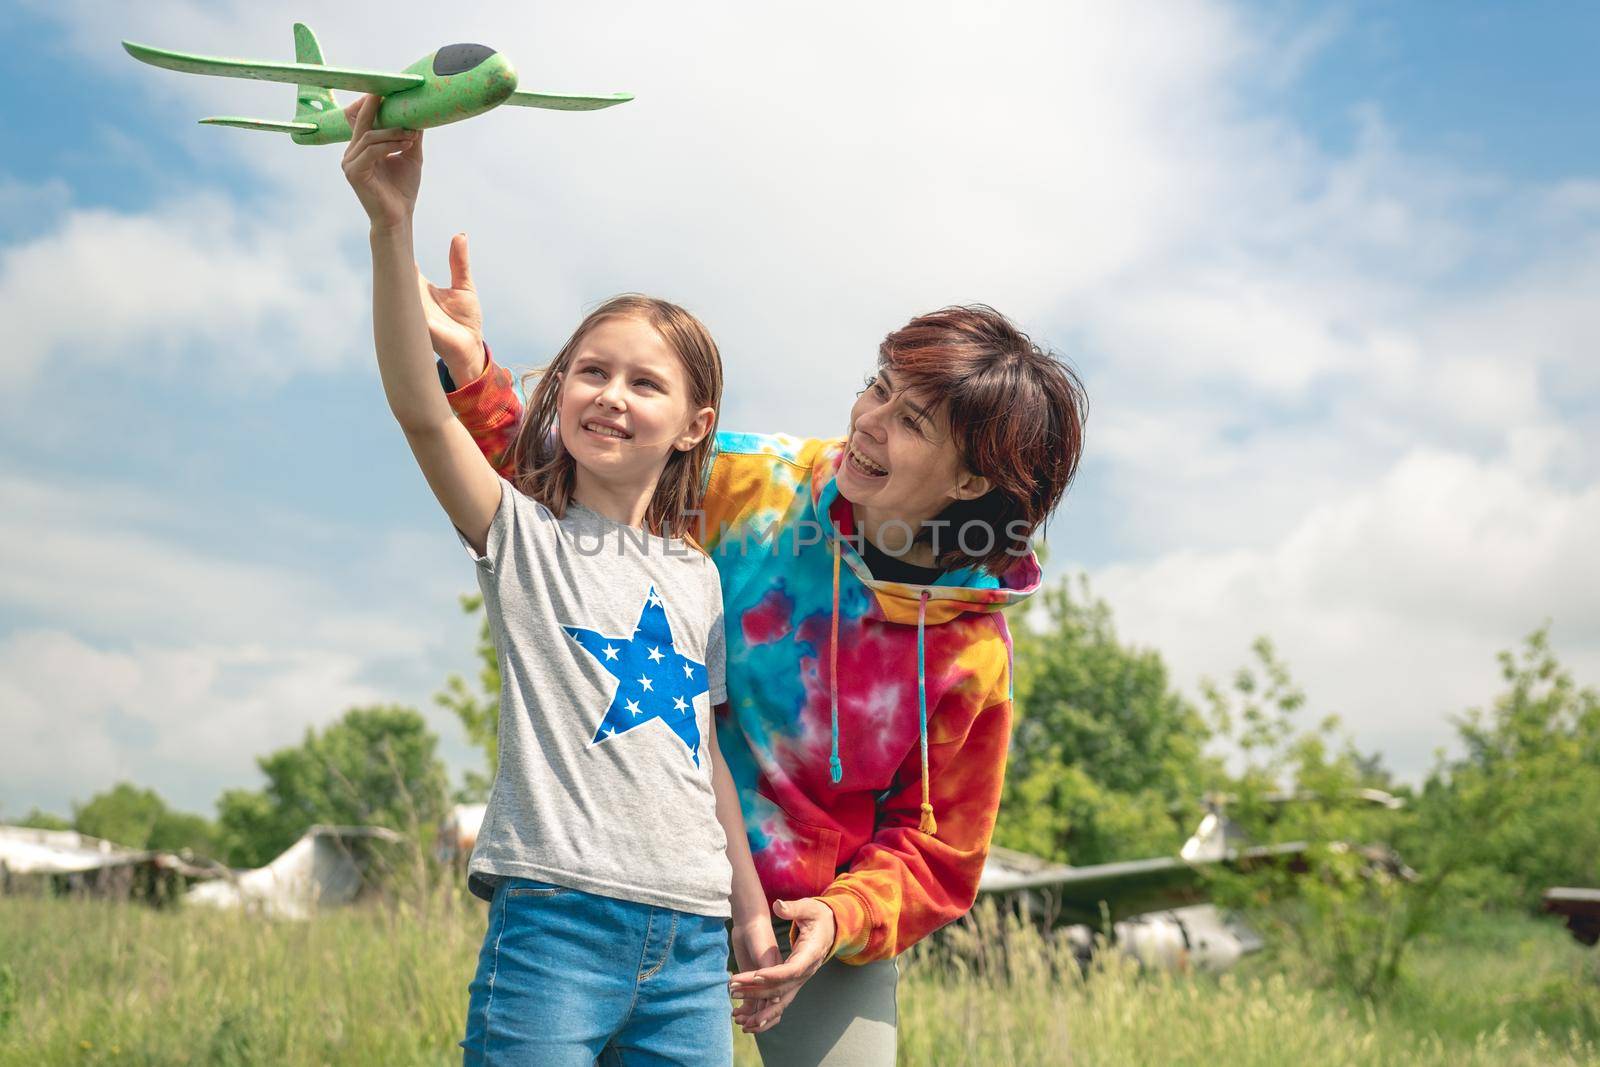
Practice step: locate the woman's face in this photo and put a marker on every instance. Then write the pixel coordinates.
(900, 461)
(625, 403)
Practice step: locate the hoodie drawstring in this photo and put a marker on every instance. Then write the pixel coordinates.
(927, 825)
(835, 767)
(1011, 676)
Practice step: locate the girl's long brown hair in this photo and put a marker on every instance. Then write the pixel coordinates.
(544, 469)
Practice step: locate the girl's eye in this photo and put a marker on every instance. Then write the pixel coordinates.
(594, 370)
(648, 382)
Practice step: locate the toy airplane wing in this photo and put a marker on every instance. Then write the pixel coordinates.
(568, 101)
(261, 124)
(355, 81)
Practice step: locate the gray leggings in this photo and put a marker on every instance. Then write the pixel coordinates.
(844, 1016)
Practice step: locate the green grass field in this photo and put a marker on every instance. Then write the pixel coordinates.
(85, 982)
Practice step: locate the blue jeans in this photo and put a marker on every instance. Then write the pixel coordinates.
(567, 978)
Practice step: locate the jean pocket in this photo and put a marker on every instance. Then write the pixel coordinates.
(526, 888)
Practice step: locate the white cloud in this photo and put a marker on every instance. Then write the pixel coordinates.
(1389, 602)
(201, 284)
(189, 720)
(133, 653)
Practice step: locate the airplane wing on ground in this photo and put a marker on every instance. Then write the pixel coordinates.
(568, 101)
(355, 81)
(1128, 888)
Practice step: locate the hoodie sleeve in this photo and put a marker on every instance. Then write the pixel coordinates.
(488, 407)
(905, 884)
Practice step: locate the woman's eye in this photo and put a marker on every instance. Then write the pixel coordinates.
(910, 423)
(879, 391)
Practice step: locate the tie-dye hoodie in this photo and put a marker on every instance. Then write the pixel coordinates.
(872, 717)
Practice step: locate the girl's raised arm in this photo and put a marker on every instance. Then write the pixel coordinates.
(384, 167)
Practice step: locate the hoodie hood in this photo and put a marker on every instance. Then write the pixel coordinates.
(955, 592)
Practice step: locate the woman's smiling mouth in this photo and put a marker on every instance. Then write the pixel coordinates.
(864, 466)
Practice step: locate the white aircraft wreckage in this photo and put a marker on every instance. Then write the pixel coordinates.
(1156, 907)
(65, 861)
(325, 868)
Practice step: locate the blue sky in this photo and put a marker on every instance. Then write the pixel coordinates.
(1504, 88)
(1327, 271)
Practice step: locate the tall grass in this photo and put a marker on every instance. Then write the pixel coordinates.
(86, 982)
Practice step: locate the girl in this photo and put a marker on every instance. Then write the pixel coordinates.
(613, 838)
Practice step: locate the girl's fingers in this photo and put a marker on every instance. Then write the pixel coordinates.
(766, 1018)
(362, 122)
(768, 987)
(363, 142)
(370, 153)
(381, 136)
(751, 1005)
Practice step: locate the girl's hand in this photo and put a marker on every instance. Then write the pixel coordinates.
(754, 945)
(384, 167)
(811, 941)
(455, 318)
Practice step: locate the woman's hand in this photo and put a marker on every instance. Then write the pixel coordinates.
(754, 946)
(384, 167)
(811, 943)
(455, 318)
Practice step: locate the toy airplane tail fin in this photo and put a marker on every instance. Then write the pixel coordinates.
(313, 100)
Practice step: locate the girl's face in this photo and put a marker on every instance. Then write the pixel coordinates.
(900, 462)
(625, 403)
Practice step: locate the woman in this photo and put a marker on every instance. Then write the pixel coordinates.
(869, 673)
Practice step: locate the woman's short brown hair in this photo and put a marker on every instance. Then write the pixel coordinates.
(1016, 416)
(544, 469)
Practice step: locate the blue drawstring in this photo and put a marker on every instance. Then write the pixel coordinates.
(927, 825)
(835, 765)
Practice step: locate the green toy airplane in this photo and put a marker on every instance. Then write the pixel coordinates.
(454, 83)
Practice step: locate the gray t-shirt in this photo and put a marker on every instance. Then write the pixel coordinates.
(611, 656)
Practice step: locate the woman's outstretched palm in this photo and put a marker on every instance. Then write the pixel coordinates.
(455, 318)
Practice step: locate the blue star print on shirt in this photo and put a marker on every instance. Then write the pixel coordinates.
(654, 680)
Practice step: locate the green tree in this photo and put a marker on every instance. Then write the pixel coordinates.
(1347, 908)
(124, 814)
(1106, 757)
(478, 710)
(43, 820)
(138, 818)
(181, 831)
(375, 766)
(1517, 813)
